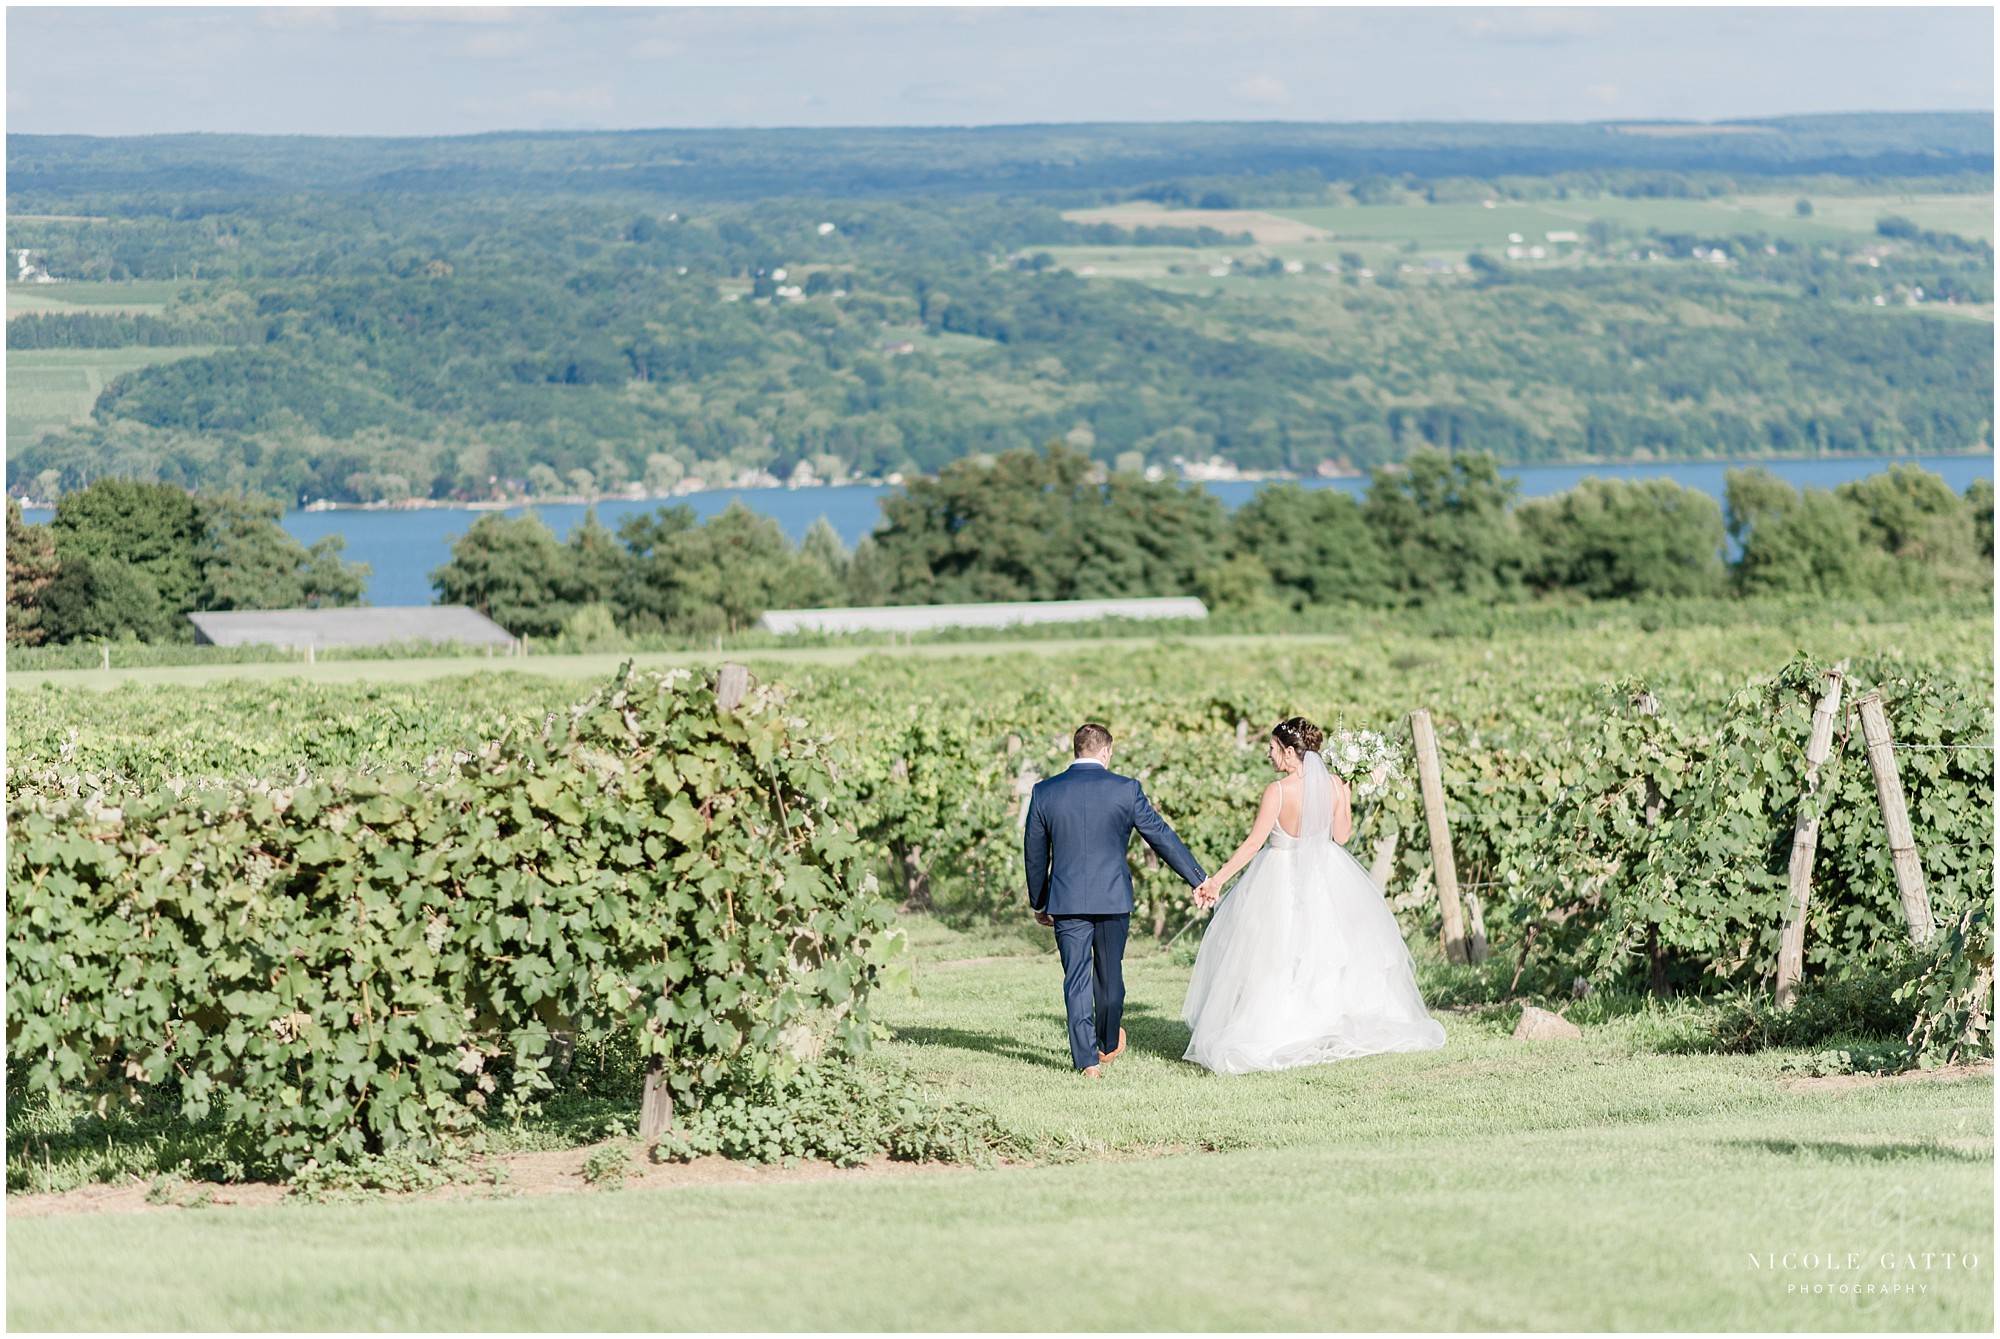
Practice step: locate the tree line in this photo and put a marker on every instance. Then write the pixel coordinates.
(128, 560)
(101, 330)
(1051, 525)
(67, 173)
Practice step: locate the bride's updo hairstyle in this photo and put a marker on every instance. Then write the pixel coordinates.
(1299, 735)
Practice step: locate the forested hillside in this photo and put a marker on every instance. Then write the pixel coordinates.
(509, 315)
(47, 173)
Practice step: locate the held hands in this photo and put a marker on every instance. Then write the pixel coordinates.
(1208, 892)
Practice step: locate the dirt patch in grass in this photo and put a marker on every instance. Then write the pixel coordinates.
(1842, 1083)
(561, 1172)
(137, 1197)
(516, 1174)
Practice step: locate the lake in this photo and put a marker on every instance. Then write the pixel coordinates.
(405, 547)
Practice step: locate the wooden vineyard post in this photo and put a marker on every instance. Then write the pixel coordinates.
(1656, 960)
(656, 1106)
(1475, 925)
(1443, 871)
(730, 685)
(1805, 845)
(1384, 865)
(1896, 817)
(1024, 789)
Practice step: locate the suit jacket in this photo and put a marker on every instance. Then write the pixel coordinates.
(1080, 822)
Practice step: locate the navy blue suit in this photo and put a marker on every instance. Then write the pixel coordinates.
(1080, 823)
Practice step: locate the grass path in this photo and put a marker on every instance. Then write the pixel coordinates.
(1597, 1184)
(603, 665)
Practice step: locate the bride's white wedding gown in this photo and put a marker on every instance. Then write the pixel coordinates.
(1304, 962)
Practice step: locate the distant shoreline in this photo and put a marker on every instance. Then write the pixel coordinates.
(1257, 477)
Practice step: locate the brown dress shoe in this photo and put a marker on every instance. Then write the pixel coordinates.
(1106, 1057)
(1091, 1072)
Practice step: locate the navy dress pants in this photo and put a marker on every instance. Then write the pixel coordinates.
(1093, 961)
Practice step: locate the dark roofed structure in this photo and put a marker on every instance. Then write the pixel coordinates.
(363, 626)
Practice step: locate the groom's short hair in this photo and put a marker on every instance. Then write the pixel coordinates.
(1090, 737)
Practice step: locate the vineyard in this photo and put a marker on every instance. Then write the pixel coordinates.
(345, 918)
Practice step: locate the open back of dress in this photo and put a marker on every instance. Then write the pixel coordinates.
(1304, 962)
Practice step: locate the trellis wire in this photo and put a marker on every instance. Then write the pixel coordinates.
(1944, 748)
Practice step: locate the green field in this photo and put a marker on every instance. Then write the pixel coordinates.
(1384, 234)
(47, 388)
(1599, 1184)
(1966, 215)
(1461, 226)
(592, 667)
(576, 667)
(134, 295)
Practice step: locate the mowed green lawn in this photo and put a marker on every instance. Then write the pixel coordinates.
(1597, 1184)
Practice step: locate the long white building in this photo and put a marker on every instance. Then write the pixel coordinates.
(925, 617)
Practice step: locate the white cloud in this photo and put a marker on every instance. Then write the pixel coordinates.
(313, 17)
(1261, 90)
(600, 98)
(1605, 93)
(500, 45)
(657, 48)
(949, 94)
(1537, 27)
(443, 14)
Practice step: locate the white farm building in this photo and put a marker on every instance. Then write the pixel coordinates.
(363, 626)
(925, 617)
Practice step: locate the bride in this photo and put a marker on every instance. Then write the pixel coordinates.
(1303, 962)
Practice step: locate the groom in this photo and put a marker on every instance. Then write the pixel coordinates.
(1079, 823)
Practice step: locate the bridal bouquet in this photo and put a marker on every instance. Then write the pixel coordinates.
(1367, 761)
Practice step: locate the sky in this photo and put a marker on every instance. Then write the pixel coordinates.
(431, 71)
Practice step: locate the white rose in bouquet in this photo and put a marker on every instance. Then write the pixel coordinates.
(1368, 761)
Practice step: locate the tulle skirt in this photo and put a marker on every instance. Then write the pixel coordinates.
(1302, 964)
